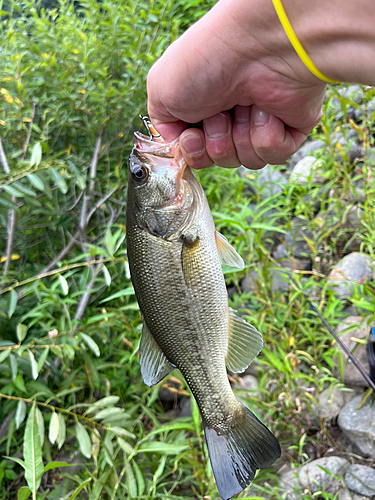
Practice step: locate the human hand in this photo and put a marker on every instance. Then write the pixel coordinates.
(235, 74)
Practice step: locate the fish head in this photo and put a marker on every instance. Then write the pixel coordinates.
(160, 196)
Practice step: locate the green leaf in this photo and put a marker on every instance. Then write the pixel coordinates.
(19, 383)
(23, 493)
(40, 423)
(83, 440)
(109, 412)
(36, 155)
(139, 477)
(17, 460)
(57, 465)
(119, 431)
(130, 481)
(53, 427)
(107, 276)
(32, 451)
(91, 344)
(34, 366)
(121, 293)
(36, 182)
(12, 191)
(128, 449)
(60, 181)
(108, 241)
(42, 359)
(107, 401)
(161, 448)
(62, 431)
(79, 489)
(24, 189)
(64, 284)
(20, 413)
(21, 331)
(4, 355)
(12, 303)
(13, 366)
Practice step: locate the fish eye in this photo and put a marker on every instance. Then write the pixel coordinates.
(140, 174)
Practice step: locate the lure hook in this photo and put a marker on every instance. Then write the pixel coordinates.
(150, 128)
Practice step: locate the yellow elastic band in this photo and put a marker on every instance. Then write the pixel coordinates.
(296, 43)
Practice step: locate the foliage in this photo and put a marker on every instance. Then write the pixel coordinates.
(72, 87)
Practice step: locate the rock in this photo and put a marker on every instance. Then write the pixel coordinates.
(306, 149)
(306, 167)
(358, 425)
(361, 479)
(332, 400)
(279, 281)
(294, 239)
(345, 494)
(249, 383)
(270, 181)
(355, 266)
(250, 282)
(289, 484)
(311, 475)
(352, 377)
(354, 217)
(356, 151)
(296, 264)
(185, 407)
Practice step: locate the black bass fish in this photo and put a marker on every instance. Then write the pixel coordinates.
(175, 258)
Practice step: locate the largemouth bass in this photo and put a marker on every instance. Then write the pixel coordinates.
(175, 258)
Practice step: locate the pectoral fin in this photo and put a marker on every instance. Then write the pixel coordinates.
(227, 253)
(154, 364)
(244, 345)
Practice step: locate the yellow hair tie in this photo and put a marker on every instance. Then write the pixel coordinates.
(296, 43)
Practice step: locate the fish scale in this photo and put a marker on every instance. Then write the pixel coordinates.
(173, 251)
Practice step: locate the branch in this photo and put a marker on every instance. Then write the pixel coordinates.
(12, 219)
(87, 197)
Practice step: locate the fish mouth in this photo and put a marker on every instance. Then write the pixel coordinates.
(156, 147)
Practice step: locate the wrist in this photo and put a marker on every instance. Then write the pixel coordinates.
(338, 37)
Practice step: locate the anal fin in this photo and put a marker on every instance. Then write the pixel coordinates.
(154, 364)
(244, 343)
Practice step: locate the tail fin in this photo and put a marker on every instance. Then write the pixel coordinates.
(236, 455)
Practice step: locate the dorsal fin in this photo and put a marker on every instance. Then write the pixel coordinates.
(227, 253)
(154, 364)
(244, 343)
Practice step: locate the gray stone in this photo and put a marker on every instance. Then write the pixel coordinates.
(353, 267)
(185, 407)
(361, 479)
(270, 181)
(358, 425)
(249, 283)
(279, 281)
(354, 217)
(289, 484)
(360, 330)
(345, 494)
(306, 167)
(248, 383)
(296, 264)
(332, 400)
(313, 477)
(306, 149)
(294, 239)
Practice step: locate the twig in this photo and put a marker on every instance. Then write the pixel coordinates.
(12, 219)
(26, 145)
(88, 195)
(60, 270)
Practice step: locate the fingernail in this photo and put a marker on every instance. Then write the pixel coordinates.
(242, 114)
(259, 117)
(193, 144)
(216, 126)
